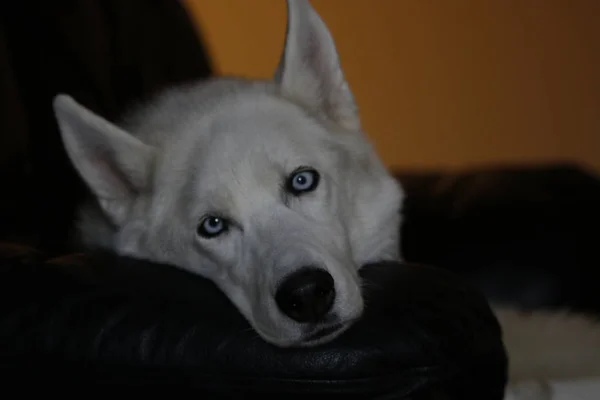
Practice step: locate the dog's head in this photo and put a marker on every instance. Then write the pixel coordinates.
(270, 189)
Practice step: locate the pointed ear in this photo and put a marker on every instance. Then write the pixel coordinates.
(309, 69)
(114, 164)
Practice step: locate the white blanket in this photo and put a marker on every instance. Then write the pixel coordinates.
(583, 389)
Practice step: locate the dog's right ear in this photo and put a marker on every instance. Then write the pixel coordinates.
(115, 165)
(309, 69)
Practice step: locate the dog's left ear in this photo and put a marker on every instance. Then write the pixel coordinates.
(115, 165)
(309, 69)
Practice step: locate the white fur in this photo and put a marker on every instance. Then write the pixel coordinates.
(565, 345)
(225, 146)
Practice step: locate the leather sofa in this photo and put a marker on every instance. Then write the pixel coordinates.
(525, 235)
(71, 320)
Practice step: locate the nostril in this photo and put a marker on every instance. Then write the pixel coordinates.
(306, 295)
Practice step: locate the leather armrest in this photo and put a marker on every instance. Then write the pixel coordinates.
(98, 318)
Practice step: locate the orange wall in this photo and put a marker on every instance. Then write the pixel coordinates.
(444, 83)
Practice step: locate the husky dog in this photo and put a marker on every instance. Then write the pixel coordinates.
(268, 188)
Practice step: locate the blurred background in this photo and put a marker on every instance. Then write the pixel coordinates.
(444, 84)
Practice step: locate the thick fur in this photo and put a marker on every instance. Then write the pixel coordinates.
(225, 147)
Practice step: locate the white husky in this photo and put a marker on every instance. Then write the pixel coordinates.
(268, 188)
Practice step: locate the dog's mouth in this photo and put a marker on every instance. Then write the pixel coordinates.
(325, 334)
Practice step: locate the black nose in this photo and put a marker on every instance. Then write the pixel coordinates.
(306, 295)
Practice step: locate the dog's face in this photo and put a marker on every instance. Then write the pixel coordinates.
(269, 189)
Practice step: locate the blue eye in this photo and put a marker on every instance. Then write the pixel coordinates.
(212, 226)
(303, 181)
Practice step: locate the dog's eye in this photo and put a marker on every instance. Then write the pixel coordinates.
(212, 226)
(302, 181)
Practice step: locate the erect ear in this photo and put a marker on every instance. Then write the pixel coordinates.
(115, 165)
(309, 69)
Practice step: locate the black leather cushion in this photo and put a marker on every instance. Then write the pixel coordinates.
(96, 319)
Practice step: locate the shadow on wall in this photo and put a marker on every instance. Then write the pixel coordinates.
(444, 84)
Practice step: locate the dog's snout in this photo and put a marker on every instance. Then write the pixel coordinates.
(306, 295)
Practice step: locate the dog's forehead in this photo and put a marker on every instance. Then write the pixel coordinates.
(265, 119)
(262, 130)
(250, 146)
